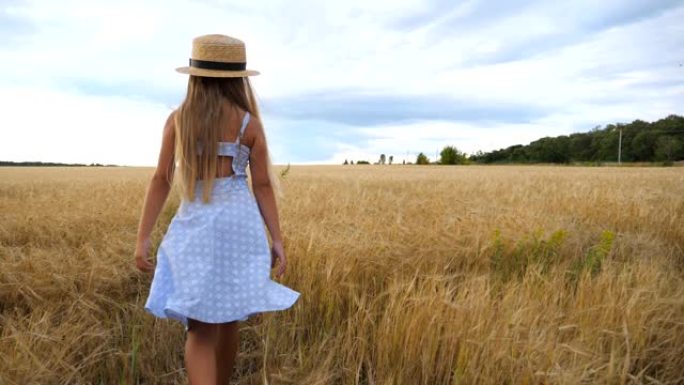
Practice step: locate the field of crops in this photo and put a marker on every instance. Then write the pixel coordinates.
(408, 274)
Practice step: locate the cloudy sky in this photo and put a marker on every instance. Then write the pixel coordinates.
(89, 81)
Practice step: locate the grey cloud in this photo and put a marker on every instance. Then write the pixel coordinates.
(13, 28)
(360, 109)
(585, 29)
(487, 12)
(580, 22)
(431, 12)
(337, 106)
(132, 89)
(626, 13)
(445, 16)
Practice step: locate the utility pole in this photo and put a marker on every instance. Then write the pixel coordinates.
(620, 148)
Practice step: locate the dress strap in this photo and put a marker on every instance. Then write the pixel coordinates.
(238, 150)
(245, 120)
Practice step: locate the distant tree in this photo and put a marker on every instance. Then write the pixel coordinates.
(345, 162)
(518, 154)
(391, 158)
(422, 159)
(550, 150)
(352, 162)
(362, 162)
(644, 144)
(667, 147)
(403, 161)
(580, 147)
(451, 155)
(478, 156)
(382, 159)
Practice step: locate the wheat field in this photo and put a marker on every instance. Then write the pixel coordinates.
(408, 274)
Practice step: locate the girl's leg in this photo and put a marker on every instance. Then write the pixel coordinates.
(229, 340)
(200, 348)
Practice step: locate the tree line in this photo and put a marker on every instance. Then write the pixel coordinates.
(639, 141)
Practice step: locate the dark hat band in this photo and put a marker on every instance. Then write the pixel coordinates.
(215, 65)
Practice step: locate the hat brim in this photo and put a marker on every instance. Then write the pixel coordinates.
(216, 73)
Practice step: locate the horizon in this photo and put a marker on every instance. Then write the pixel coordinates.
(315, 163)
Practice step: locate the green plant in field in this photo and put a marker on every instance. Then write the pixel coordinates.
(512, 259)
(593, 260)
(496, 261)
(129, 372)
(284, 172)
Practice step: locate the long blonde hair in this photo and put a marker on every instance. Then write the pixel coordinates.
(197, 121)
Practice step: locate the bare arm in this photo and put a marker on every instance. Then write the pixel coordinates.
(263, 192)
(157, 192)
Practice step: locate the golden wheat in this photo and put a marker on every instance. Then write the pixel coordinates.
(408, 275)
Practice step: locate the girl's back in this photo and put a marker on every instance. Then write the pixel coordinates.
(229, 132)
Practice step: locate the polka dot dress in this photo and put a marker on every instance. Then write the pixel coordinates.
(214, 262)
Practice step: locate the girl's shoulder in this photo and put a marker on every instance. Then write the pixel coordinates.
(253, 130)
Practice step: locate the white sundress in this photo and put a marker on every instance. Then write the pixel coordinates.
(213, 263)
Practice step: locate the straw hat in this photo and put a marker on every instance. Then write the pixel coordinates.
(218, 56)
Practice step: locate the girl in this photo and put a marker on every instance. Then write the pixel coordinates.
(213, 262)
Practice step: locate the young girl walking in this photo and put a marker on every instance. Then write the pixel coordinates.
(213, 264)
